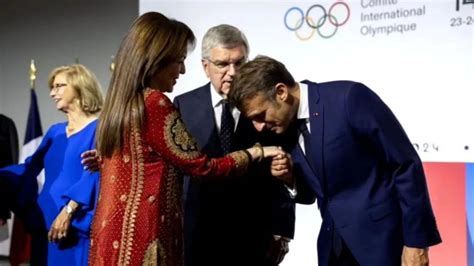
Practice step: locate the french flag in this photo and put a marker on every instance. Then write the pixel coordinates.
(20, 247)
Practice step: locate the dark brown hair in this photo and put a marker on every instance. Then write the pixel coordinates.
(152, 42)
(259, 75)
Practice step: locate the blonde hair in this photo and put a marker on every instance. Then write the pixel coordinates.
(84, 83)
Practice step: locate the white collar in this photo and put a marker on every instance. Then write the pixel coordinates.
(303, 108)
(216, 98)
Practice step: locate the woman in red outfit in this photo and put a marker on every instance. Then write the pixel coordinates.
(145, 148)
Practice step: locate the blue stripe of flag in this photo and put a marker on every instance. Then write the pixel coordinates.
(33, 125)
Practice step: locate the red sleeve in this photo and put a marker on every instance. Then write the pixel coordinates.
(166, 134)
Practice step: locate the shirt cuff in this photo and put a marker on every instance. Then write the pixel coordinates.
(292, 191)
(278, 237)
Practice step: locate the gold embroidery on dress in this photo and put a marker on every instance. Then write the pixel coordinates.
(136, 189)
(177, 138)
(241, 160)
(147, 92)
(151, 255)
(172, 219)
(126, 158)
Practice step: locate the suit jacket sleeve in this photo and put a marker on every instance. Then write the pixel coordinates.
(282, 205)
(283, 211)
(9, 138)
(176, 102)
(374, 123)
(12, 140)
(304, 193)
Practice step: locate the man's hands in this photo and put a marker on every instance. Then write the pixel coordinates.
(415, 256)
(277, 250)
(90, 160)
(282, 168)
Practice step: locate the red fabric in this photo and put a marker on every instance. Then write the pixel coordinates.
(139, 215)
(447, 187)
(20, 245)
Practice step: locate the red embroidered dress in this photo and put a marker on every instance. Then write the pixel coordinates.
(139, 217)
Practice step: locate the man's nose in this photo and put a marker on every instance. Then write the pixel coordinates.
(232, 70)
(259, 126)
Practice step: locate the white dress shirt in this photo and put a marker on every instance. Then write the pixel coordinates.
(217, 99)
(303, 112)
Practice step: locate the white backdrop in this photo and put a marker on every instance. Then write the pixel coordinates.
(417, 55)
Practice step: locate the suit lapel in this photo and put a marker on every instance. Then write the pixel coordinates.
(307, 170)
(204, 126)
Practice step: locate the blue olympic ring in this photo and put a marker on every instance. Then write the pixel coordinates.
(305, 17)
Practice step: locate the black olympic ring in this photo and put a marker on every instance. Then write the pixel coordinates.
(320, 22)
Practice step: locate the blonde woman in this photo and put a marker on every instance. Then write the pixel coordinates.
(62, 212)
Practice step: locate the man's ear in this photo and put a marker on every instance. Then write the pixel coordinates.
(281, 92)
(205, 66)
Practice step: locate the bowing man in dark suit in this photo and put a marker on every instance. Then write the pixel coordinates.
(244, 220)
(356, 160)
(8, 156)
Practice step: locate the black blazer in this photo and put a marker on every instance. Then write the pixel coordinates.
(8, 156)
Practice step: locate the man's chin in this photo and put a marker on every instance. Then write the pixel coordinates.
(225, 89)
(278, 130)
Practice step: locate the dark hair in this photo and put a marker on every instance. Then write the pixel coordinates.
(152, 42)
(259, 75)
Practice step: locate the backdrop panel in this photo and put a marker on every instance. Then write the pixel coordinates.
(417, 55)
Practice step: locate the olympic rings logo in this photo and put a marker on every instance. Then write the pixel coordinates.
(316, 24)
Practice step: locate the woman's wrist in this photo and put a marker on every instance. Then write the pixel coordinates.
(71, 207)
(252, 153)
(261, 153)
(256, 152)
(249, 155)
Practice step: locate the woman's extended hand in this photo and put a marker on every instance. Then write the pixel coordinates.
(272, 151)
(258, 152)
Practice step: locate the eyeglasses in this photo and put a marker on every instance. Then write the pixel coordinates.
(223, 66)
(57, 86)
